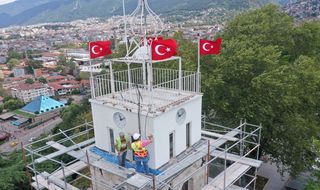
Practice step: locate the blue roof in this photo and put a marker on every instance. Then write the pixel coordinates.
(42, 104)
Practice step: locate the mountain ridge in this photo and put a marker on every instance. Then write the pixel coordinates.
(23, 12)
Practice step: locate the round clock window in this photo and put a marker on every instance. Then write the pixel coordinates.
(181, 116)
(119, 120)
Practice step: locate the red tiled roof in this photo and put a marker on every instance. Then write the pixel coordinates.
(85, 82)
(49, 54)
(58, 77)
(25, 86)
(55, 86)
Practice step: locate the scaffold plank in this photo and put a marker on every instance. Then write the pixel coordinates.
(137, 180)
(235, 187)
(221, 141)
(217, 135)
(233, 173)
(51, 182)
(69, 170)
(60, 152)
(235, 158)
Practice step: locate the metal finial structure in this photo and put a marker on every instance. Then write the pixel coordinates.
(144, 21)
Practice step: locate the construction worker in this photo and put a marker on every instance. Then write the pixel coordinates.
(141, 155)
(122, 146)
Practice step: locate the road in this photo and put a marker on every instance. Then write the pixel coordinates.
(25, 135)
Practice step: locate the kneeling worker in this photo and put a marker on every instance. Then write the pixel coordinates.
(141, 155)
(122, 146)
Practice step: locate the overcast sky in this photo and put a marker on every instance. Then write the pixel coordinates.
(6, 1)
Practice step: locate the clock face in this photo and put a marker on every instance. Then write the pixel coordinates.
(181, 116)
(119, 119)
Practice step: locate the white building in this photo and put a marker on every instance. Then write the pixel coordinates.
(28, 92)
(169, 112)
(19, 72)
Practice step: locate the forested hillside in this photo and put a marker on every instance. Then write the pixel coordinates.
(34, 11)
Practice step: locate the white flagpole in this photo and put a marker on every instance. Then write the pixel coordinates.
(91, 75)
(125, 26)
(198, 70)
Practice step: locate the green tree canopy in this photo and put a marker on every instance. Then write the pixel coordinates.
(29, 81)
(13, 63)
(14, 55)
(13, 104)
(42, 80)
(12, 172)
(268, 72)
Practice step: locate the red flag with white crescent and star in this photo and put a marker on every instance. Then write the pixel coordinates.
(210, 47)
(99, 49)
(163, 49)
(151, 39)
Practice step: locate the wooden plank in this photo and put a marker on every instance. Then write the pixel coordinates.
(219, 142)
(58, 182)
(217, 135)
(137, 180)
(60, 152)
(44, 183)
(235, 158)
(233, 173)
(234, 187)
(69, 170)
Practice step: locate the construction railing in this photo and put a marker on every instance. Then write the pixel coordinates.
(242, 141)
(247, 145)
(126, 80)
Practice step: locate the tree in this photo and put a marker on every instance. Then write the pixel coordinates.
(29, 81)
(12, 172)
(35, 64)
(13, 104)
(262, 75)
(42, 80)
(314, 183)
(12, 63)
(14, 55)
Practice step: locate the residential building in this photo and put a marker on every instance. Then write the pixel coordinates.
(64, 87)
(28, 92)
(19, 72)
(37, 73)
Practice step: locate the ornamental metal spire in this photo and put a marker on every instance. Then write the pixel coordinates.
(143, 21)
(139, 25)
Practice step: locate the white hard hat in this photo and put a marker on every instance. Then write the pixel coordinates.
(136, 136)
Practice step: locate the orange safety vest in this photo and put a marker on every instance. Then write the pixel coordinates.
(139, 150)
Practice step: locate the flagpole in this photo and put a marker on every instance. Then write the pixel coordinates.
(198, 69)
(91, 75)
(125, 25)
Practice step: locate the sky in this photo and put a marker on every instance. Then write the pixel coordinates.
(2, 2)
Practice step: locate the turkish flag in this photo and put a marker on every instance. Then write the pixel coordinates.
(163, 49)
(151, 39)
(99, 49)
(210, 47)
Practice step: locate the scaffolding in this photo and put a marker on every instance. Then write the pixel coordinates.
(228, 156)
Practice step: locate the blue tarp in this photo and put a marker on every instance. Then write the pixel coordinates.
(42, 104)
(114, 159)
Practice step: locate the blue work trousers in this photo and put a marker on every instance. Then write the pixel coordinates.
(142, 162)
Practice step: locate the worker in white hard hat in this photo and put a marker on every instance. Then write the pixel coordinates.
(141, 155)
(122, 146)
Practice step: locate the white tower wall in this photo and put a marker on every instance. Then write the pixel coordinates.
(160, 127)
(103, 121)
(166, 124)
